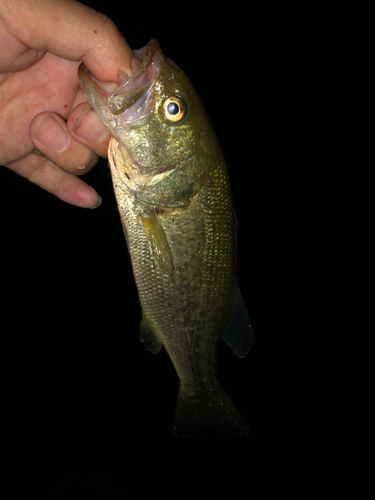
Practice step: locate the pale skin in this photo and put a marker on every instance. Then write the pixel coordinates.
(41, 45)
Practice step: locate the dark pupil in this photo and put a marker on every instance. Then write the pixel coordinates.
(173, 108)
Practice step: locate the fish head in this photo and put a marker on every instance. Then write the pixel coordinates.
(162, 140)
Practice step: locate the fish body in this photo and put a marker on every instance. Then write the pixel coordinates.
(175, 202)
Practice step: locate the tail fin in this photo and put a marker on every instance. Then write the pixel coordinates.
(204, 412)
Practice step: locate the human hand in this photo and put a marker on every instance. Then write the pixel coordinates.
(47, 132)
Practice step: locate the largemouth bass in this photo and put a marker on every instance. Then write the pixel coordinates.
(174, 198)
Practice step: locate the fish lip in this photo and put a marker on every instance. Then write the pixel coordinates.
(140, 81)
(133, 96)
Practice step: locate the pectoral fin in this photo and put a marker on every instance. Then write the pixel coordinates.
(239, 334)
(158, 244)
(148, 336)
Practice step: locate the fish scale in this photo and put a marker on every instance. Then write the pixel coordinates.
(180, 226)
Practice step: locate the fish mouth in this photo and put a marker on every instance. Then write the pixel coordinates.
(131, 104)
(133, 97)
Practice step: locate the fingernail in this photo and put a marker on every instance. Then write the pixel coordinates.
(89, 126)
(51, 134)
(98, 204)
(135, 63)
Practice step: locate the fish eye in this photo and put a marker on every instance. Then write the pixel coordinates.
(174, 109)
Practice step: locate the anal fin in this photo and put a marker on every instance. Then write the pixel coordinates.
(239, 334)
(148, 336)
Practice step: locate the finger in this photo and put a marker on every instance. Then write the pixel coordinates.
(42, 172)
(50, 136)
(85, 126)
(70, 30)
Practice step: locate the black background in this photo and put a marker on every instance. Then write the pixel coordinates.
(85, 409)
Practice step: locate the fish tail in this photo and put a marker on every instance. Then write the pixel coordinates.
(203, 412)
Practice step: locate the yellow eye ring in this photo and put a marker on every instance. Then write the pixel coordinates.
(174, 109)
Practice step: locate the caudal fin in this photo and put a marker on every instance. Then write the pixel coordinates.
(204, 412)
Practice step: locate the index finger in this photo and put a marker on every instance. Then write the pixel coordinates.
(70, 30)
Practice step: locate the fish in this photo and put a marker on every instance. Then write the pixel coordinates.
(175, 202)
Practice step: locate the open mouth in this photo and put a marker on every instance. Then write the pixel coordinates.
(133, 98)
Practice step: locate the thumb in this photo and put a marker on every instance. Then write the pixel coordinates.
(71, 30)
